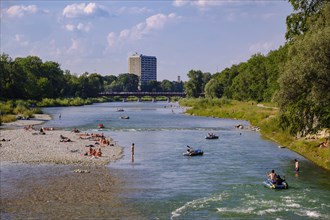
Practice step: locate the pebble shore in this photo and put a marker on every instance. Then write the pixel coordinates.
(43, 177)
(24, 146)
(29, 146)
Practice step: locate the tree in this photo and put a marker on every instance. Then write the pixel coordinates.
(273, 63)
(177, 86)
(151, 86)
(225, 78)
(251, 82)
(297, 22)
(214, 89)
(12, 79)
(108, 80)
(304, 95)
(166, 86)
(196, 83)
(128, 82)
(54, 75)
(31, 67)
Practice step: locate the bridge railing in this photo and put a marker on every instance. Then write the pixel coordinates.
(181, 94)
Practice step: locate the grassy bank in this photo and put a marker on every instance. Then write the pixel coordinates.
(11, 110)
(264, 116)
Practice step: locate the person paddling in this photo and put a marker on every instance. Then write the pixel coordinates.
(272, 176)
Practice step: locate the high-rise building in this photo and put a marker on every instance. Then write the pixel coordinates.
(145, 67)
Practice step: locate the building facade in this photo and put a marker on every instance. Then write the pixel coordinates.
(145, 67)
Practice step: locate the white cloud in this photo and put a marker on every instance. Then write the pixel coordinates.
(111, 38)
(133, 10)
(207, 4)
(70, 27)
(201, 4)
(154, 22)
(75, 45)
(263, 48)
(79, 27)
(234, 15)
(179, 3)
(20, 38)
(21, 10)
(84, 9)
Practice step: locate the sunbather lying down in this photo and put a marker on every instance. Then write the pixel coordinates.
(5, 139)
(64, 139)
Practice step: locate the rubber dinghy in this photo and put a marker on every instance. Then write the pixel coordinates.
(212, 136)
(193, 152)
(275, 185)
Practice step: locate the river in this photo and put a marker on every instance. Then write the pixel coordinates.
(225, 183)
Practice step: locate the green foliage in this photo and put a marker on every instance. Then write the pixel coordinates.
(304, 94)
(214, 89)
(255, 79)
(202, 103)
(251, 83)
(296, 22)
(8, 118)
(20, 109)
(128, 82)
(46, 102)
(6, 107)
(196, 83)
(10, 109)
(151, 86)
(31, 78)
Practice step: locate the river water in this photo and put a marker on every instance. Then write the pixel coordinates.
(225, 183)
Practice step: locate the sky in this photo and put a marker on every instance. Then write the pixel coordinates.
(99, 36)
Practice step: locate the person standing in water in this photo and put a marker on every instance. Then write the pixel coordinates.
(296, 165)
(132, 152)
(59, 117)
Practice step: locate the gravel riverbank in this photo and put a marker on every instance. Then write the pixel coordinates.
(29, 146)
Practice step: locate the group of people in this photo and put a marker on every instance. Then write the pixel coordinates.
(94, 153)
(99, 138)
(275, 178)
(100, 141)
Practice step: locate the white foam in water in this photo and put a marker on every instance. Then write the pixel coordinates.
(293, 205)
(238, 210)
(198, 203)
(313, 214)
(264, 212)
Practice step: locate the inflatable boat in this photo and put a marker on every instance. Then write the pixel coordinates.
(197, 152)
(211, 136)
(273, 185)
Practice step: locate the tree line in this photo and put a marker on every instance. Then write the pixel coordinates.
(296, 76)
(31, 78)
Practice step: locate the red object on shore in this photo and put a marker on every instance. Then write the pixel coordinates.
(100, 125)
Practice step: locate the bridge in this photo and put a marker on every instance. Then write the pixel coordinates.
(139, 95)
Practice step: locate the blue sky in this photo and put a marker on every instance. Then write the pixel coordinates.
(99, 36)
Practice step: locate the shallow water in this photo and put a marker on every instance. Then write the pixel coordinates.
(226, 182)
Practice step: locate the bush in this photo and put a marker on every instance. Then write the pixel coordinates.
(20, 109)
(8, 118)
(6, 108)
(28, 114)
